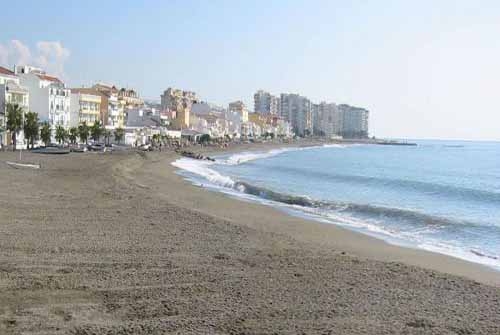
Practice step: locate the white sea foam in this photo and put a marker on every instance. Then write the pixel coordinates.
(460, 252)
(244, 157)
(202, 169)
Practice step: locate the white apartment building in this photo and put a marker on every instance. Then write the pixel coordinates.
(297, 110)
(11, 92)
(49, 97)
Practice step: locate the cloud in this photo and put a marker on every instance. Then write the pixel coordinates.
(48, 55)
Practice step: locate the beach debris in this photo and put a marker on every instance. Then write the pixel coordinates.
(194, 155)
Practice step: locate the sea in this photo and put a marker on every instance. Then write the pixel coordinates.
(440, 196)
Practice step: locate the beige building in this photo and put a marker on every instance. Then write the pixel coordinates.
(178, 104)
(112, 109)
(240, 108)
(129, 98)
(85, 106)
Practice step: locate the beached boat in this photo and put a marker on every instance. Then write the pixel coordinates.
(16, 165)
(52, 151)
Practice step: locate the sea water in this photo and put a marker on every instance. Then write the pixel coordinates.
(441, 196)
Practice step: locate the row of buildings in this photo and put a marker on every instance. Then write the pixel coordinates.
(180, 111)
(184, 110)
(35, 90)
(308, 118)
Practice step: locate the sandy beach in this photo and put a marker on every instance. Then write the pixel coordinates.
(120, 244)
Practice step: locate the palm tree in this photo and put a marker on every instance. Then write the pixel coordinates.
(83, 132)
(73, 135)
(96, 131)
(14, 121)
(31, 128)
(45, 133)
(156, 138)
(107, 136)
(119, 133)
(61, 134)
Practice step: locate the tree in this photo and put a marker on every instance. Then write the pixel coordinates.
(156, 138)
(107, 136)
(61, 134)
(83, 132)
(46, 133)
(119, 133)
(96, 131)
(73, 135)
(14, 121)
(31, 128)
(205, 138)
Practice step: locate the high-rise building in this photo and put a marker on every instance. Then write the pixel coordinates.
(266, 103)
(178, 103)
(240, 108)
(327, 119)
(354, 121)
(297, 110)
(275, 108)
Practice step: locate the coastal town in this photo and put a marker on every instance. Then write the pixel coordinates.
(38, 109)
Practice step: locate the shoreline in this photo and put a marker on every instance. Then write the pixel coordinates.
(121, 244)
(419, 257)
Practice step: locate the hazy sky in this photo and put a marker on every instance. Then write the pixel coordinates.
(424, 69)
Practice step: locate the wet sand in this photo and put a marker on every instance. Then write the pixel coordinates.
(120, 244)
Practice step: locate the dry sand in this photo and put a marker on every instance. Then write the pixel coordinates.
(120, 244)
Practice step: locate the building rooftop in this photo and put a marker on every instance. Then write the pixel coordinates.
(6, 71)
(86, 90)
(48, 78)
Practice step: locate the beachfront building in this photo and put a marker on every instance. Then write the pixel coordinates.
(266, 103)
(327, 120)
(208, 124)
(11, 92)
(297, 110)
(178, 103)
(112, 110)
(85, 106)
(205, 108)
(48, 96)
(240, 108)
(130, 99)
(354, 121)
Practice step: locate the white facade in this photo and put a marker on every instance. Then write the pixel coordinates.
(48, 97)
(12, 92)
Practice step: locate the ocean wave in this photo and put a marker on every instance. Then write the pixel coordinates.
(405, 184)
(244, 157)
(364, 210)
